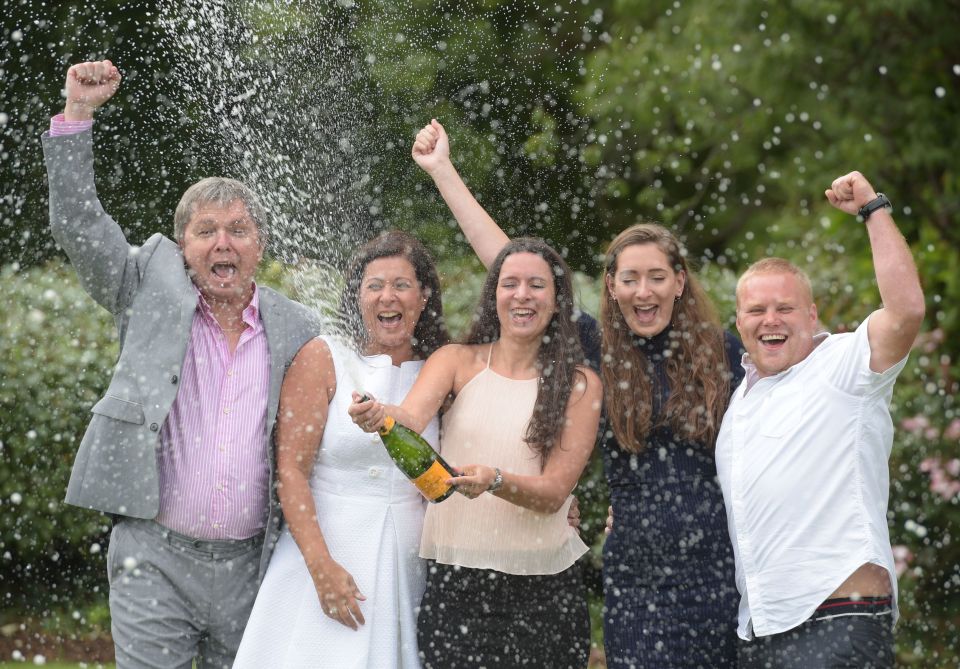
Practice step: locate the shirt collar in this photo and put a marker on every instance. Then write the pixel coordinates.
(250, 315)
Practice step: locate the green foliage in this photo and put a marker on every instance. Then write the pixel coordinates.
(925, 505)
(144, 146)
(727, 120)
(501, 76)
(56, 354)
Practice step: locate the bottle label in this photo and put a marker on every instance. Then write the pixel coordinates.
(432, 483)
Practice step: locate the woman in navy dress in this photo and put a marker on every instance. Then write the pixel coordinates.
(670, 597)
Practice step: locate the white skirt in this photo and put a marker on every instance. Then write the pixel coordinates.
(378, 544)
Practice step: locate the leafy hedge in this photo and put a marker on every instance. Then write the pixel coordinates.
(56, 353)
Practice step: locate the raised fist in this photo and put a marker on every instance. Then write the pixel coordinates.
(89, 85)
(431, 148)
(850, 192)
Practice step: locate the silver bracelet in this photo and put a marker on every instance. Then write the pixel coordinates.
(497, 481)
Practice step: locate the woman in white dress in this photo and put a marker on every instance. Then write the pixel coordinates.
(345, 579)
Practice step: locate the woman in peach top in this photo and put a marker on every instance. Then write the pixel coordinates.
(503, 585)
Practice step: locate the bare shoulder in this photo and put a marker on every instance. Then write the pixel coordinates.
(315, 350)
(315, 361)
(462, 354)
(463, 361)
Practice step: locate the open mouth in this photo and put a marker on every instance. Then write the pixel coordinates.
(646, 314)
(224, 271)
(390, 318)
(522, 314)
(773, 341)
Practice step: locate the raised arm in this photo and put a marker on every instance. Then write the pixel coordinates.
(434, 383)
(431, 151)
(893, 328)
(308, 387)
(94, 242)
(548, 492)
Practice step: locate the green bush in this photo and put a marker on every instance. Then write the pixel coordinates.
(925, 506)
(56, 355)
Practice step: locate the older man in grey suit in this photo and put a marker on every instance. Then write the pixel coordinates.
(179, 450)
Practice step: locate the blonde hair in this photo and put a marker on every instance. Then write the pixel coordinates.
(773, 265)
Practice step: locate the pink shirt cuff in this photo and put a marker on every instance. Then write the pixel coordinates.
(59, 126)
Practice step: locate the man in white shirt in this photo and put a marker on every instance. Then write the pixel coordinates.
(802, 457)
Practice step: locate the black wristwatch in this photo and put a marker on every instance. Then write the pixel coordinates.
(880, 202)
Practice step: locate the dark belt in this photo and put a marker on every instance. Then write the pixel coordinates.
(850, 606)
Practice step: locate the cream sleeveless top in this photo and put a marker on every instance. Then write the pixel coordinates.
(485, 425)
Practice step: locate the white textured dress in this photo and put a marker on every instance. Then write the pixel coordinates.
(371, 517)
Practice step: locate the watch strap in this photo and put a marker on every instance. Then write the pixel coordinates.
(879, 202)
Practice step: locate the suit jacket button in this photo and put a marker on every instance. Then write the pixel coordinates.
(174, 378)
(154, 427)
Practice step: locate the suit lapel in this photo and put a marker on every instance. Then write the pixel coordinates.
(277, 350)
(188, 307)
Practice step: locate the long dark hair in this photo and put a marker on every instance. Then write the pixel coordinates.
(697, 368)
(430, 332)
(559, 352)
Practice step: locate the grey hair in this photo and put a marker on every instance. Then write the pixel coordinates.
(221, 191)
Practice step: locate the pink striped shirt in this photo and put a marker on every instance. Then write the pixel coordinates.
(213, 458)
(60, 126)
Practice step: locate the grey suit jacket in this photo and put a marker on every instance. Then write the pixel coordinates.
(153, 302)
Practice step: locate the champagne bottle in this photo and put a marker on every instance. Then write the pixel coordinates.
(417, 459)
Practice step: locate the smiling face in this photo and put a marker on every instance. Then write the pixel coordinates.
(221, 247)
(776, 319)
(391, 301)
(526, 296)
(645, 288)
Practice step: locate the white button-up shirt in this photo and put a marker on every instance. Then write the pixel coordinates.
(802, 461)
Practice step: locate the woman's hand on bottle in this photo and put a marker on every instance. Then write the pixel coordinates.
(474, 480)
(339, 595)
(366, 412)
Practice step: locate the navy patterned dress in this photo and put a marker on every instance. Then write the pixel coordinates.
(670, 597)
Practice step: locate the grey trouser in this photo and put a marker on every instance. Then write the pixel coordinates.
(174, 599)
(861, 642)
